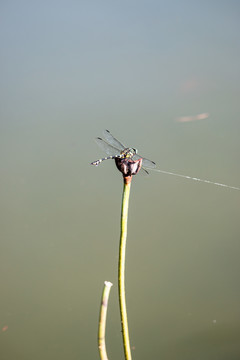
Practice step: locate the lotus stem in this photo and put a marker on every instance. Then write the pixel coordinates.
(121, 267)
(102, 321)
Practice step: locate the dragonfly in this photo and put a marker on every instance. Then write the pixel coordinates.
(115, 149)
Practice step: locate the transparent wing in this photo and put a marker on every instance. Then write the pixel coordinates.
(148, 163)
(113, 141)
(145, 162)
(144, 171)
(109, 149)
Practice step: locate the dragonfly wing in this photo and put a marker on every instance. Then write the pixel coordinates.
(109, 149)
(145, 162)
(113, 141)
(144, 171)
(148, 163)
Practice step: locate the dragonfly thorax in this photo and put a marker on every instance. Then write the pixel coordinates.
(128, 153)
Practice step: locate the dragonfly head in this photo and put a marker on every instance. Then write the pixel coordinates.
(128, 153)
(131, 152)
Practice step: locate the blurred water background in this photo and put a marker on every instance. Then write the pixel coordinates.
(145, 70)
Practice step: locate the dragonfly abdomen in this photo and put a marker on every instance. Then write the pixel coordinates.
(97, 162)
(127, 153)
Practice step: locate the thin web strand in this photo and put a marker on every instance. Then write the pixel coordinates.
(196, 179)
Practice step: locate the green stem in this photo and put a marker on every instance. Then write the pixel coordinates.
(102, 321)
(121, 268)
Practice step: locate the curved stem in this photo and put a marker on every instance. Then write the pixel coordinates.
(121, 268)
(102, 321)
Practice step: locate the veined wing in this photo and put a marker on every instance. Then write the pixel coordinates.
(109, 149)
(145, 162)
(113, 141)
